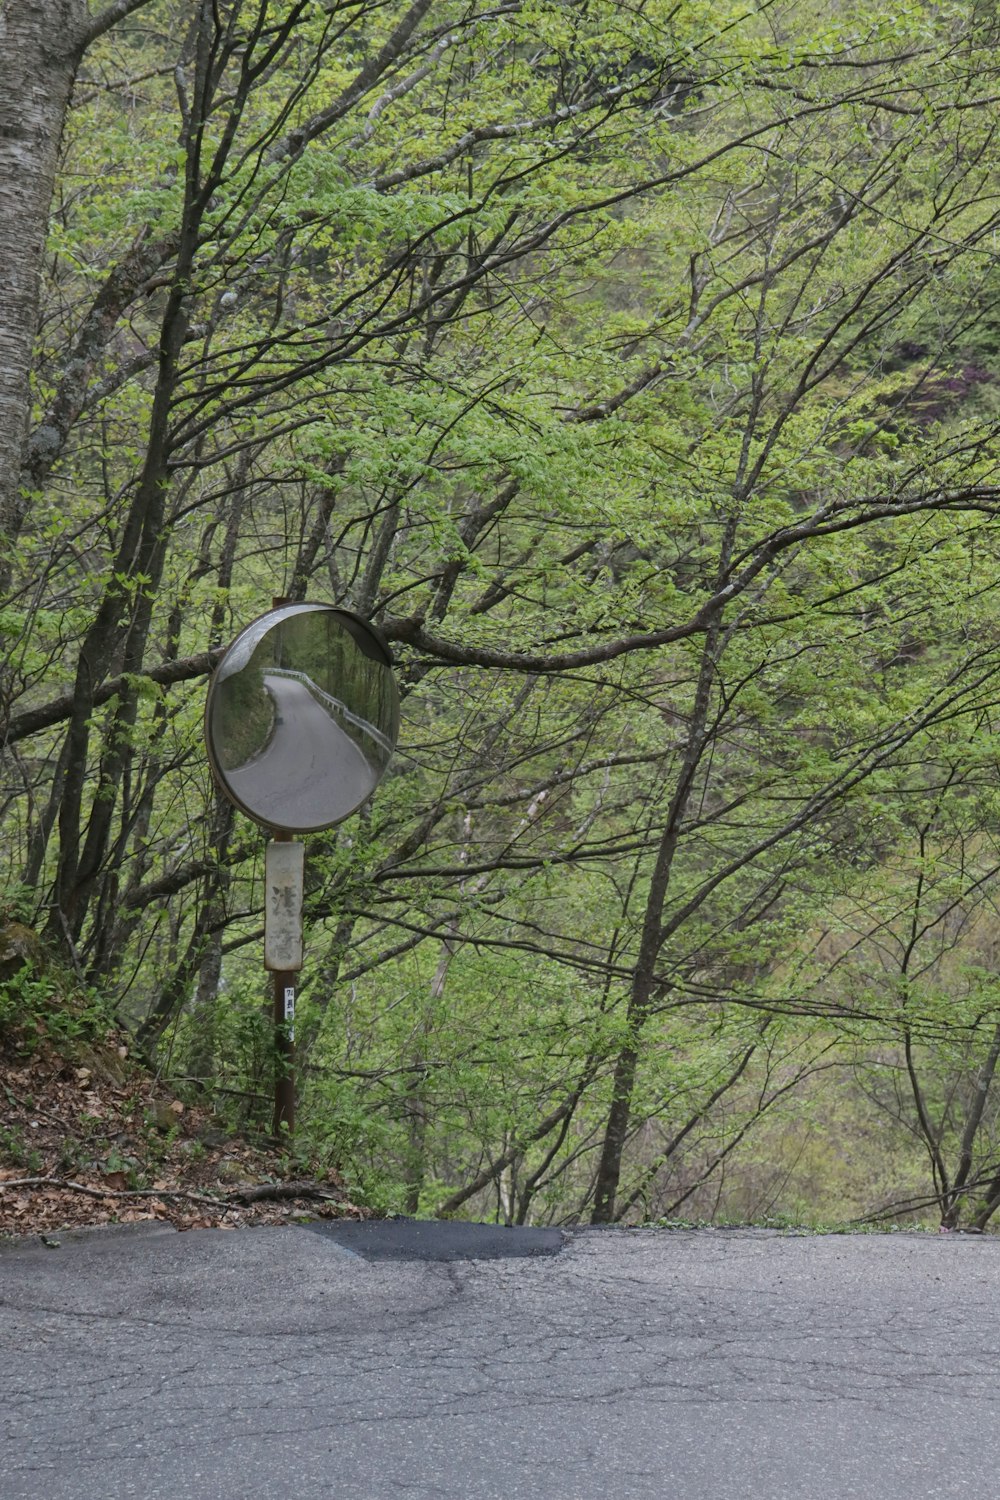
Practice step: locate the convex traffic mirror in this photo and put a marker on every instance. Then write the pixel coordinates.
(302, 717)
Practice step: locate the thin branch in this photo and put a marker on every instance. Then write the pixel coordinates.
(100, 24)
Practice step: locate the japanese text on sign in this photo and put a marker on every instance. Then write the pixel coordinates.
(283, 878)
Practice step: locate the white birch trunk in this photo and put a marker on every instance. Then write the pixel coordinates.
(40, 44)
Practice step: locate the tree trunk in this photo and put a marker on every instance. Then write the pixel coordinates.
(122, 622)
(643, 985)
(41, 42)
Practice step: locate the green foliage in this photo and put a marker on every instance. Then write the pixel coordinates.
(51, 1008)
(15, 1149)
(635, 372)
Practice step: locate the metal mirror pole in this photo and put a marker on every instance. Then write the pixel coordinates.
(284, 1052)
(284, 868)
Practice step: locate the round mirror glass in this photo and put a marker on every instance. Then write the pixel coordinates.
(302, 717)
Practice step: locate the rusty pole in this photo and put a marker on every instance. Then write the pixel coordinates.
(284, 1052)
(283, 956)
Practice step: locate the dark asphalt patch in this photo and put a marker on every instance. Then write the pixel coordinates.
(437, 1239)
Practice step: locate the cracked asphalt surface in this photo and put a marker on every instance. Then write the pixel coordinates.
(638, 1364)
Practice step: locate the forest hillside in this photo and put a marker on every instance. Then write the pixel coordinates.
(635, 371)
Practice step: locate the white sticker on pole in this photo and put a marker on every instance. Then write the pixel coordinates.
(284, 864)
(290, 1012)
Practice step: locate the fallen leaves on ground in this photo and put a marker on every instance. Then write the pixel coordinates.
(95, 1140)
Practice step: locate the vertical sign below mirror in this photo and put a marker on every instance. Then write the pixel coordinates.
(284, 870)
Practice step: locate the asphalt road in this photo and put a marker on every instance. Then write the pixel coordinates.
(631, 1365)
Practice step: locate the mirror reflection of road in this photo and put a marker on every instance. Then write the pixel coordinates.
(310, 772)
